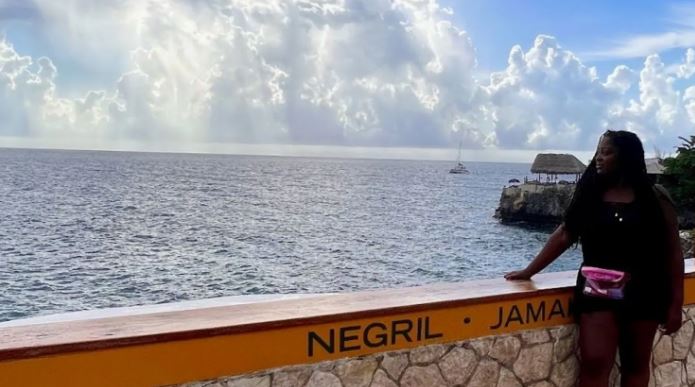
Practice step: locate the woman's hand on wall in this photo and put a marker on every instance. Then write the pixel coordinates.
(673, 321)
(518, 275)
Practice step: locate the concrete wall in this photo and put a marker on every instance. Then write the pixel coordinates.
(540, 358)
(478, 333)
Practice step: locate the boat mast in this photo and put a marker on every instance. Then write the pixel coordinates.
(458, 159)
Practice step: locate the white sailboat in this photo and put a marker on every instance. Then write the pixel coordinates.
(459, 168)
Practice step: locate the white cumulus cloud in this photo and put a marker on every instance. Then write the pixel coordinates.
(311, 72)
(547, 98)
(687, 69)
(353, 72)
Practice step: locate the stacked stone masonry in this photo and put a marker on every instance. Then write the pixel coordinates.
(538, 358)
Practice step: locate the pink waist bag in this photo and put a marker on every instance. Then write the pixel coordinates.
(604, 283)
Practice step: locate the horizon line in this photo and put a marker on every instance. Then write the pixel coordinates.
(512, 156)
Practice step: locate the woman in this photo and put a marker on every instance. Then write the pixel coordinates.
(626, 224)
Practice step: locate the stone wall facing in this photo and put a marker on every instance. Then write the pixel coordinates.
(538, 358)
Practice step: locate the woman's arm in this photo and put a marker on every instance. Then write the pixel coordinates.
(675, 266)
(558, 242)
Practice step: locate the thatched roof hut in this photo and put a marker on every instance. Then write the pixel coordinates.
(557, 164)
(654, 167)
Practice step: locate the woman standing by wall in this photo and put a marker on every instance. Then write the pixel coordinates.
(631, 278)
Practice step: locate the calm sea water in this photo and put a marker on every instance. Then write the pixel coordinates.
(83, 230)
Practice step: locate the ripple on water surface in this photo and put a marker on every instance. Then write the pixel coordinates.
(85, 230)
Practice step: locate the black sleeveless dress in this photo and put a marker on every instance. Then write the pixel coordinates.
(620, 240)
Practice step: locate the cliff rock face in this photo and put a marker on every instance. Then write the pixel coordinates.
(686, 219)
(547, 203)
(688, 243)
(534, 202)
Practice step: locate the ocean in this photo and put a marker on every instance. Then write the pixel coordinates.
(82, 230)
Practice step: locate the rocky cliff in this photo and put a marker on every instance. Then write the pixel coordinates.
(688, 243)
(686, 219)
(534, 202)
(547, 203)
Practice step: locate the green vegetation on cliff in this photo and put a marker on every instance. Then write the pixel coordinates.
(681, 174)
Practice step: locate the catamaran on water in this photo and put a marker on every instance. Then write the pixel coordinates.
(459, 168)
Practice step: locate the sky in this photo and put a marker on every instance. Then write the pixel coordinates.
(353, 78)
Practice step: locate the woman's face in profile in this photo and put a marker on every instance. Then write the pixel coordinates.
(606, 157)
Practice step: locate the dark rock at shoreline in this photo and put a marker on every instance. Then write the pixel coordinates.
(688, 243)
(543, 204)
(686, 219)
(534, 203)
(546, 203)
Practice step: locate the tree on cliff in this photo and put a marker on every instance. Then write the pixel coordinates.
(681, 174)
